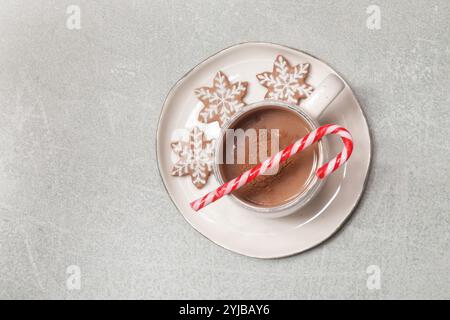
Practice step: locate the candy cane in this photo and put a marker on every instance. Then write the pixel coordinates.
(282, 156)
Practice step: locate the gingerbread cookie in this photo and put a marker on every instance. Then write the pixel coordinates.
(286, 83)
(195, 157)
(222, 100)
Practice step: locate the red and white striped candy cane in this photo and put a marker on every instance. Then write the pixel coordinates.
(282, 156)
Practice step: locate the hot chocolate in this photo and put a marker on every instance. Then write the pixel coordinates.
(292, 177)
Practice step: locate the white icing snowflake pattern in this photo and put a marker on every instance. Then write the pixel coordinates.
(195, 157)
(222, 100)
(286, 83)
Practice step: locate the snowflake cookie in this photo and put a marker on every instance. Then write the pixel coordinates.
(286, 83)
(195, 157)
(222, 100)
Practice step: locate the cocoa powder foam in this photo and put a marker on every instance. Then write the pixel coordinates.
(292, 176)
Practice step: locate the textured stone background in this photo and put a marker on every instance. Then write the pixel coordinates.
(78, 176)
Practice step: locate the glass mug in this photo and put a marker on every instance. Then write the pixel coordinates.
(308, 112)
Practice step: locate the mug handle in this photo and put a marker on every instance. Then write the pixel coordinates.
(323, 95)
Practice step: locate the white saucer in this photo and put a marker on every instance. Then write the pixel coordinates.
(225, 222)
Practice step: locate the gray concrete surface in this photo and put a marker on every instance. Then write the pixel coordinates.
(78, 177)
